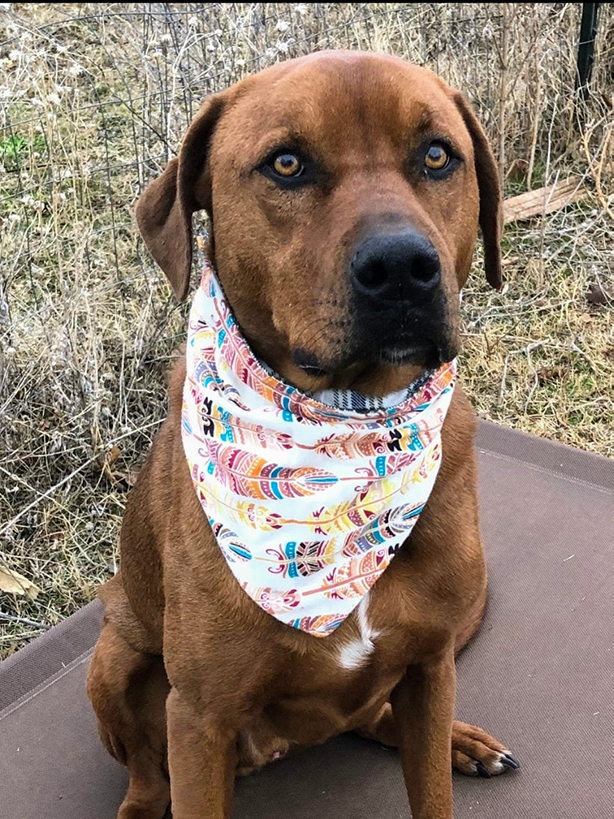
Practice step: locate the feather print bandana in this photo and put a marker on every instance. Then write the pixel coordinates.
(308, 502)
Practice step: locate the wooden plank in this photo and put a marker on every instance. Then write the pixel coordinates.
(543, 200)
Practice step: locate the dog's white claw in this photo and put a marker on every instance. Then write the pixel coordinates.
(496, 768)
(505, 762)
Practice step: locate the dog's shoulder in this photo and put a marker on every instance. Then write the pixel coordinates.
(150, 509)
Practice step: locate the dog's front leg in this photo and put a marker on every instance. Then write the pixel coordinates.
(423, 706)
(202, 759)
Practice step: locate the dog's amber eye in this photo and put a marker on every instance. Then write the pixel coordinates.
(287, 165)
(436, 157)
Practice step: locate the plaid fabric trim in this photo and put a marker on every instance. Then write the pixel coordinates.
(357, 402)
(351, 401)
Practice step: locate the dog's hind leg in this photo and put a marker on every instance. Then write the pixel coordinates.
(128, 689)
(474, 752)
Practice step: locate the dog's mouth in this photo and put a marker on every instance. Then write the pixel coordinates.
(430, 343)
(375, 372)
(309, 364)
(419, 355)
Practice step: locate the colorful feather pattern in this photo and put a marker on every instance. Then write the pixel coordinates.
(302, 559)
(388, 525)
(272, 600)
(219, 423)
(354, 578)
(229, 543)
(252, 476)
(308, 503)
(412, 438)
(320, 625)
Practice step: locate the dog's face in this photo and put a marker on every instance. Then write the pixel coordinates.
(345, 191)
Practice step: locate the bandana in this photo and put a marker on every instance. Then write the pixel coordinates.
(309, 496)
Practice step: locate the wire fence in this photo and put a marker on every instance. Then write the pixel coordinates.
(133, 76)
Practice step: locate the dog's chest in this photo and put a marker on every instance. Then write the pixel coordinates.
(339, 686)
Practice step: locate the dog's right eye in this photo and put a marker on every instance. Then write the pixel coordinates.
(287, 165)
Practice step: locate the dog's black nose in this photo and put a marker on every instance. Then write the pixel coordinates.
(392, 266)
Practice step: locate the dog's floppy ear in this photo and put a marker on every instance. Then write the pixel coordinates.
(164, 210)
(491, 206)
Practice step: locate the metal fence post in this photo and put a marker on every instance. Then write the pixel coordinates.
(586, 47)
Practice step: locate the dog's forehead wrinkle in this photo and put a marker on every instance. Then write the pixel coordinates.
(356, 101)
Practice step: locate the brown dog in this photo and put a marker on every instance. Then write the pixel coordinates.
(299, 166)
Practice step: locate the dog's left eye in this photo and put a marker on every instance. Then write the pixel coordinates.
(437, 157)
(287, 165)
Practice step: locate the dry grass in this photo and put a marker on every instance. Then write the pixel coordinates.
(95, 100)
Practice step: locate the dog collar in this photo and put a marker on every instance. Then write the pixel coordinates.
(308, 501)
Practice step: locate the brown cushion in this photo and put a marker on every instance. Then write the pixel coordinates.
(538, 676)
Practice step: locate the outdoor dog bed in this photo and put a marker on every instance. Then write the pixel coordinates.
(539, 676)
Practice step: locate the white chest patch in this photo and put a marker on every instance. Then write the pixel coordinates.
(355, 653)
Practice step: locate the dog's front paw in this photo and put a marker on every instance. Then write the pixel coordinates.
(476, 753)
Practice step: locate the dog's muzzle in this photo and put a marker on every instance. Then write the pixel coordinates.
(399, 307)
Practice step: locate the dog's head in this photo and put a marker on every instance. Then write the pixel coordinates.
(345, 190)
